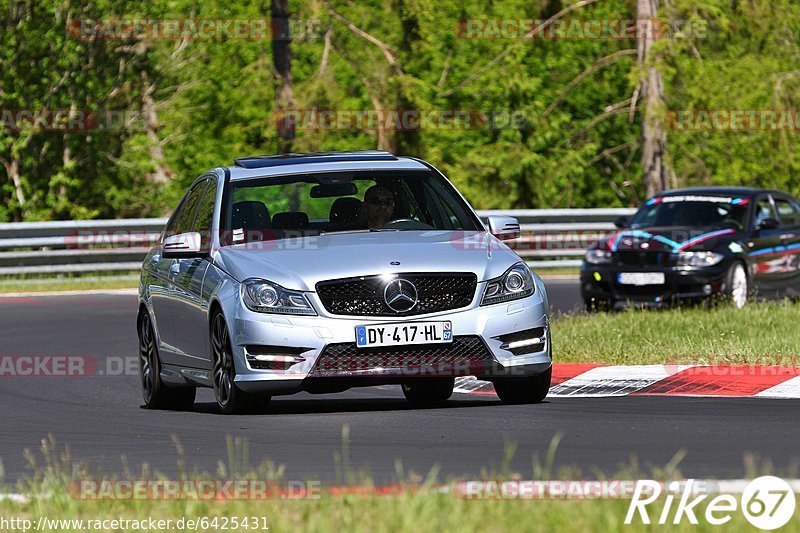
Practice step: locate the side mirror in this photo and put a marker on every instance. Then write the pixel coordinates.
(768, 223)
(621, 222)
(182, 245)
(504, 228)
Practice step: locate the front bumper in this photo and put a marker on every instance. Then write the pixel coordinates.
(319, 335)
(601, 283)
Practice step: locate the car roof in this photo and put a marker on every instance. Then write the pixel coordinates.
(316, 162)
(733, 191)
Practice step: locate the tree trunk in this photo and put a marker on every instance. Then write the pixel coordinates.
(282, 63)
(407, 141)
(657, 173)
(12, 169)
(161, 173)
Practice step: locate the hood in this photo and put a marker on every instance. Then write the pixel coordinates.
(667, 239)
(300, 263)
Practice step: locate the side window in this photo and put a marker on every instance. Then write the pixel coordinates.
(763, 211)
(788, 212)
(205, 215)
(182, 220)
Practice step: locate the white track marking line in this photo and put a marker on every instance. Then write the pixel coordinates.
(607, 381)
(787, 389)
(468, 384)
(112, 292)
(14, 497)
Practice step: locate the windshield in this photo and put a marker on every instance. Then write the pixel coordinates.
(314, 204)
(693, 211)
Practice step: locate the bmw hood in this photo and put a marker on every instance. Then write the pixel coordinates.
(302, 262)
(667, 239)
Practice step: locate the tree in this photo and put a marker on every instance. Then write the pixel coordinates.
(282, 62)
(658, 174)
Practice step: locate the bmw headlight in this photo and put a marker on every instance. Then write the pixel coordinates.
(598, 257)
(266, 297)
(517, 282)
(699, 259)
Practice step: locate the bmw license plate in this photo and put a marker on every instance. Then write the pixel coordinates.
(404, 334)
(641, 278)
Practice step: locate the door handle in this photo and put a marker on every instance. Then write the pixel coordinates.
(787, 237)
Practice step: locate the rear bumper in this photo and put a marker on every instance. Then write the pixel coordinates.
(601, 282)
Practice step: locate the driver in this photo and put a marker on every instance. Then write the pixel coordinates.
(378, 207)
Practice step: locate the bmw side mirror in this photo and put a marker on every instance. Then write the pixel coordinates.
(182, 245)
(621, 222)
(504, 228)
(768, 223)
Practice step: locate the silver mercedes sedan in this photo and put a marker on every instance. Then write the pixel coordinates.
(324, 271)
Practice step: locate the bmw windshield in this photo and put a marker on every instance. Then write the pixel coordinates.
(313, 204)
(693, 211)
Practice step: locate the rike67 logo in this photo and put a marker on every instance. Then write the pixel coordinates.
(767, 502)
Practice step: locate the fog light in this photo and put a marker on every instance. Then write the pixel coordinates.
(597, 276)
(706, 289)
(520, 344)
(279, 362)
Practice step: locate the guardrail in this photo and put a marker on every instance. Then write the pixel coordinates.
(550, 238)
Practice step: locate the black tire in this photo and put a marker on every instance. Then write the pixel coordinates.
(429, 391)
(596, 305)
(230, 399)
(737, 286)
(155, 393)
(524, 390)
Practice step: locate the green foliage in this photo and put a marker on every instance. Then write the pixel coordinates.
(759, 334)
(213, 100)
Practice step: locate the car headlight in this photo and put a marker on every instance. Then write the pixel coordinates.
(699, 259)
(517, 282)
(266, 297)
(598, 257)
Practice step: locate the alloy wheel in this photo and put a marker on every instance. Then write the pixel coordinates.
(147, 358)
(739, 286)
(223, 371)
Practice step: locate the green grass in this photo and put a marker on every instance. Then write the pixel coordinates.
(422, 506)
(544, 273)
(67, 283)
(761, 333)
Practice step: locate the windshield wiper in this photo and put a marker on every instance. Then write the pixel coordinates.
(398, 229)
(331, 232)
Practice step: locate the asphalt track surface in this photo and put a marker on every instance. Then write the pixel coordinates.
(101, 419)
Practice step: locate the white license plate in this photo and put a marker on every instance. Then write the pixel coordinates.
(641, 278)
(404, 334)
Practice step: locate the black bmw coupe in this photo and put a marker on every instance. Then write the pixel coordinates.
(698, 244)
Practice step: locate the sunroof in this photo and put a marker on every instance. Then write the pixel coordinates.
(263, 161)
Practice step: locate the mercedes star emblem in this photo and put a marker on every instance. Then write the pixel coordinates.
(400, 295)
